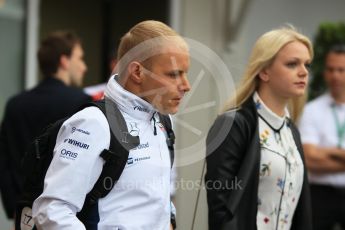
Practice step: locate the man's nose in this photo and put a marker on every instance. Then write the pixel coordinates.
(185, 85)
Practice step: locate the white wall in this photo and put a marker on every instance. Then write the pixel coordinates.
(12, 27)
(264, 15)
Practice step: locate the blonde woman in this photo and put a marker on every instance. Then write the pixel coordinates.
(256, 178)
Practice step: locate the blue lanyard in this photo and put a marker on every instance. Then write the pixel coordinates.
(340, 126)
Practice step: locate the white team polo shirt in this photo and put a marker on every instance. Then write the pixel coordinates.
(318, 126)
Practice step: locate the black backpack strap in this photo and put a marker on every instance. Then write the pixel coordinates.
(115, 158)
(166, 122)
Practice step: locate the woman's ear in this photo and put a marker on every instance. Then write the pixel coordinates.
(264, 75)
(135, 72)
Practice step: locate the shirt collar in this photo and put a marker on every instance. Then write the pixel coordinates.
(272, 119)
(128, 102)
(332, 103)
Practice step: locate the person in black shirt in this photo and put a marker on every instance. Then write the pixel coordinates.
(28, 113)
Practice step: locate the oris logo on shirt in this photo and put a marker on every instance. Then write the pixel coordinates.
(77, 143)
(141, 109)
(68, 154)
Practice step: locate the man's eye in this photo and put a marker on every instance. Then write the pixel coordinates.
(173, 74)
(329, 69)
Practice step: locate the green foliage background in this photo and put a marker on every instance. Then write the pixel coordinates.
(328, 34)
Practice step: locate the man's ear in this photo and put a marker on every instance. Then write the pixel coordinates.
(264, 75)
(64, 62)
(136, 72)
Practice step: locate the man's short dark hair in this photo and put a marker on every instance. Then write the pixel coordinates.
(53, 47)
(337, 48)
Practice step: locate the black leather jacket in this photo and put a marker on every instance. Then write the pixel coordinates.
(232, 178)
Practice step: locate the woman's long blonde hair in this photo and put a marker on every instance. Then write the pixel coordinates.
(263, 54)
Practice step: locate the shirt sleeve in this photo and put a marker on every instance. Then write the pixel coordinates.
(7, 183)
(223, 164)
(11, 153)
(308, 126)
(74, 170)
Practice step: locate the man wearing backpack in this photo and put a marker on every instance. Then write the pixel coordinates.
(151, 80)
(61, 62)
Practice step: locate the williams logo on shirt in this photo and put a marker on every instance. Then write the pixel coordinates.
(77, 143)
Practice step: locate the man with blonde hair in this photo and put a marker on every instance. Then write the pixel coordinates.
(151, 80)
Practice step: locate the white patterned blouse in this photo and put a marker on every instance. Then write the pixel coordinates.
(281, 171)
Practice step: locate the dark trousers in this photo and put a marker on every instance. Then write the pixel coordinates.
(328, 207)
